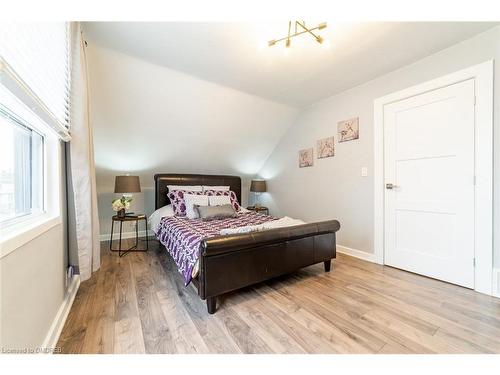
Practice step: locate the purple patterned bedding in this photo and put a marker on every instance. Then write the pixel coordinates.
(182, 236)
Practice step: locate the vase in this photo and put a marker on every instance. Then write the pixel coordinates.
(121, 213)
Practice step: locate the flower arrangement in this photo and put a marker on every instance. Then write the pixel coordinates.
(121, 204)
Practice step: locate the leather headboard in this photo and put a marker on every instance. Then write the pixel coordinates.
(164, 179)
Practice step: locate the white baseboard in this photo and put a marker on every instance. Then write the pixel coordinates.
(370, 257)
(57, 325)
(142, 233)
(496, 282)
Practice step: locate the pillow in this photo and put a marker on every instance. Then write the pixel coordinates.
(215, 212)
(230, 193)
(191, 200)
(184, 187)
(177, 199)
(217, 188)
(218, 200)
(155, 218)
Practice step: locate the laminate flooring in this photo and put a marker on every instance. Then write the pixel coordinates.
(138, 304)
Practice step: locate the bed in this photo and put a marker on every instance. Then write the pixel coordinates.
(229, 262)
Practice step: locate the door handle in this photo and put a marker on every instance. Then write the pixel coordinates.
(390, 186)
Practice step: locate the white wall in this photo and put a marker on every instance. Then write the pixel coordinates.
(33, 287)
(149, 119)
(333, 187)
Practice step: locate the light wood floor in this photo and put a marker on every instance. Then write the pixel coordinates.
(138, 304)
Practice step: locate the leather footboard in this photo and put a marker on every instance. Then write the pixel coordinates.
(232, 262)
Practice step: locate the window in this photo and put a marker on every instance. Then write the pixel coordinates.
(21, 170)
(34, 105)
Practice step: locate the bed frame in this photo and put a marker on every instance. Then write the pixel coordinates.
(235, 261)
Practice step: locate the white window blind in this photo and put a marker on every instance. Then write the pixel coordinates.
(34, 66)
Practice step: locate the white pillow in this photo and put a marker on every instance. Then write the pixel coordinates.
(185, 187)
(191, 200)
(218, 200)
(155, 218)
(216, 188)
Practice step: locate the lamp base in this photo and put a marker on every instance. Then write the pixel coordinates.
(257, 200)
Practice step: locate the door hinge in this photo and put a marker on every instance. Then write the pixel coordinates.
(474, 181)
(474, 262)
(474, 101)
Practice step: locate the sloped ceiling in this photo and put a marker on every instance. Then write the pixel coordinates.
(236, 55)
(149, 119)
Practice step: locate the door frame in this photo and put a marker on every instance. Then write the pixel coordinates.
(483, 129)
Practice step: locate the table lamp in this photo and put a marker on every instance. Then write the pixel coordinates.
(127, 185)
(258, 186)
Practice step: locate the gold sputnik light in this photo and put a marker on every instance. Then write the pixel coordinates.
(300, 28)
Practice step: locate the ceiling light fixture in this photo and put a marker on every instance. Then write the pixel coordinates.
(301, 25)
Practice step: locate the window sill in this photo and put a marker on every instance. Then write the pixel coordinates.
(16, 236)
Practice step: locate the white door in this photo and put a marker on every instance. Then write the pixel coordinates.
(429, 160)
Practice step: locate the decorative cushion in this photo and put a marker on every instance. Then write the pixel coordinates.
(230, 193)
(184, 187)
(177, 199)
(191, 200)
(207, 213)
(218, 188)
(218, 200)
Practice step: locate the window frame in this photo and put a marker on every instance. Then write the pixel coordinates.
(24, 99)
(40, 210)
(23, 229)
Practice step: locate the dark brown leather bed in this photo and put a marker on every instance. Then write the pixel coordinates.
(235, 261)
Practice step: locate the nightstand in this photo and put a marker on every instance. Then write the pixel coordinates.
(136, 218)
(259, 210)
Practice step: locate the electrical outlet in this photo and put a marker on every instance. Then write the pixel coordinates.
(364, 171)
(70, 271)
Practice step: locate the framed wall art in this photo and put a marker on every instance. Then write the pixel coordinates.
(326, 148)
(306, 158)
(348, 130)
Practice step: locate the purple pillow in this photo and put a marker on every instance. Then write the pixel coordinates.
(177, 199)
(230, 193)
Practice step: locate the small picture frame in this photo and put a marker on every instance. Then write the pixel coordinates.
(306, 158)
(348, 130)
(326, 148)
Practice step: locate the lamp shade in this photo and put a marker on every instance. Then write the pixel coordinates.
(127, 184)
(258, 186)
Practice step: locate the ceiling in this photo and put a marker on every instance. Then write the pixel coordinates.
(236, 55)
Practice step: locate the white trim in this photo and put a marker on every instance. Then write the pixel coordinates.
(55, 330)
(142, 233)
(370, 257)
(17, 236)
(483, 79)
